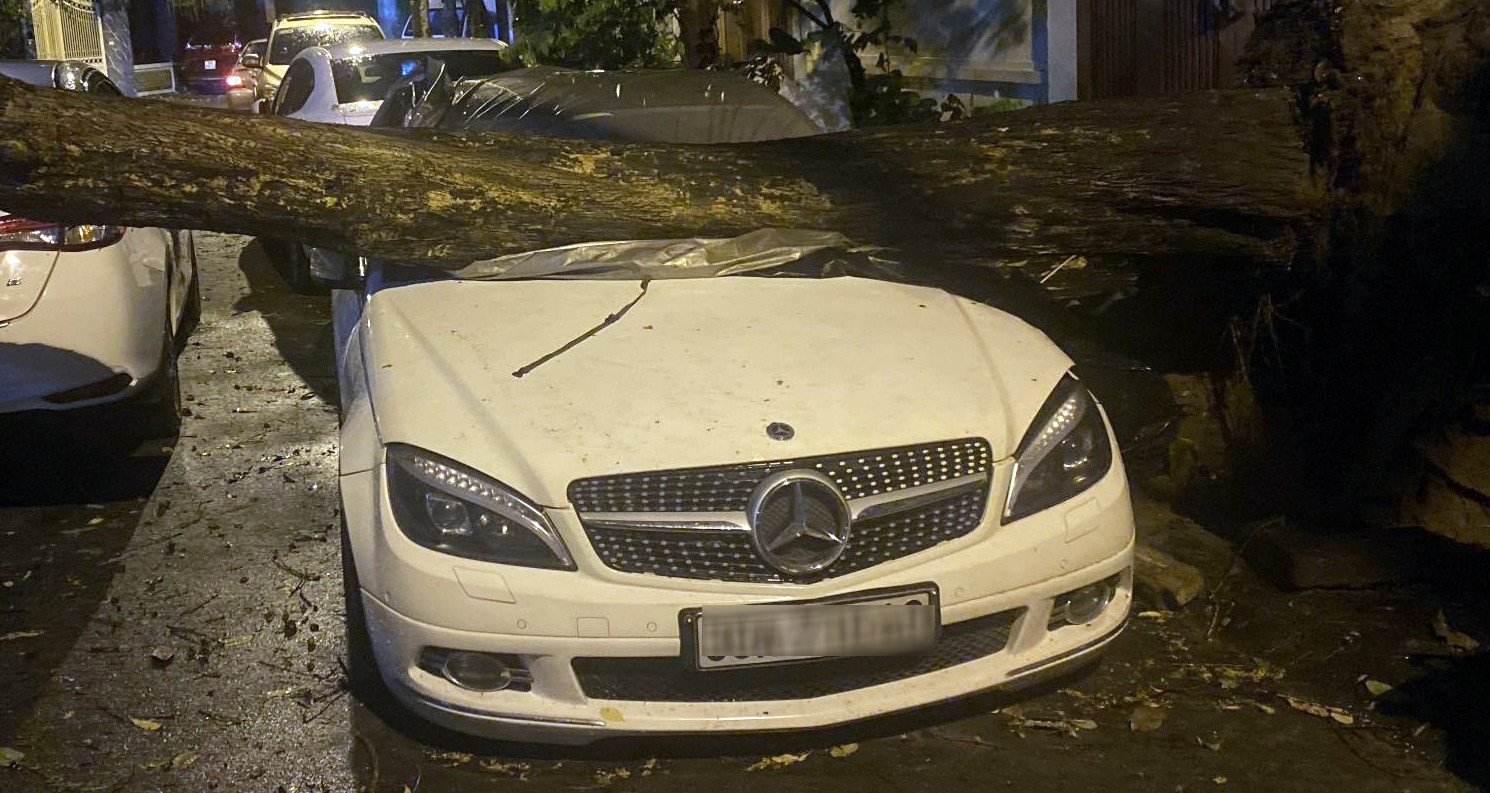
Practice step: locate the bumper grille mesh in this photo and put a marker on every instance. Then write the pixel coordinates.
(675, 679)
(730, 556)
(727, 488)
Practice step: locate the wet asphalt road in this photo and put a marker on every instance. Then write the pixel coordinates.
(221, 555)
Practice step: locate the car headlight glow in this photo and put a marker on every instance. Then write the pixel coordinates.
(447, 507)
(1064, 452)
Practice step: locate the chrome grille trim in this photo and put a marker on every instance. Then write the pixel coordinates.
(866, 508)
(727, 488)
(691, 523)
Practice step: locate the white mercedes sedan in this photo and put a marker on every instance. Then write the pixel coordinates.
(89, 315)
(669, 486)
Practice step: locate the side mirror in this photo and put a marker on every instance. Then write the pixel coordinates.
(337, 270)
(251, 60)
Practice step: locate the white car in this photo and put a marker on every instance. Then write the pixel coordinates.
(295, 32)
(346, 83)
(89, 314)
(635, 488)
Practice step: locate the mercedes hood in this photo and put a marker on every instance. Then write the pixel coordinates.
(502, 376)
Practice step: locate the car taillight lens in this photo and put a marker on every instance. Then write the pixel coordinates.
(234, 81)
(22, 233)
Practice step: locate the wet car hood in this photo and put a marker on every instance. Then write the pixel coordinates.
(693, 373)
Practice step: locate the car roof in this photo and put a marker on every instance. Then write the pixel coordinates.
(45, 73)
(307, 20)
(411, 47)
(33, 72)
(672, 106)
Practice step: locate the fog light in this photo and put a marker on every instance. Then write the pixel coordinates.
(1081, 606)
(476, 671)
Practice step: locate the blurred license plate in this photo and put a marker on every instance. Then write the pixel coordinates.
(209, 65)
(882, 622)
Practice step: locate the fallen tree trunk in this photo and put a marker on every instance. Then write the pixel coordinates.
(1208, 174)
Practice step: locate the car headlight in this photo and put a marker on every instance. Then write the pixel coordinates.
(447, 507)
(1064, 452)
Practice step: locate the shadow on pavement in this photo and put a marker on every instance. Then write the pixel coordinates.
(301, 324)
(71, 504)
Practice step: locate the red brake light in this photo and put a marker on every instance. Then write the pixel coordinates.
(15, 225)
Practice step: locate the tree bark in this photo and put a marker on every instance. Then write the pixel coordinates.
(1212, 173)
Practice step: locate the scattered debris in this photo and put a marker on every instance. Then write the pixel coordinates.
(184, 759)
(1071, 728)
(161, 656)
(236, 641)
(844, 751)
(1220, 780)
(452, 758)
(1146, 718)
(1454, 639)
(9, 757)
(1377, 688)
(1165, 580)
(145, 724)
(778, 761)
(20, 635)
(1339, 715)
(605, 777)
(1211, 741)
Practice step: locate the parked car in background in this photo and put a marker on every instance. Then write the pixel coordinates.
(346, 83)
(91, 315)
(295, 32)
(244, 94)
(209, 61)
(669, 486)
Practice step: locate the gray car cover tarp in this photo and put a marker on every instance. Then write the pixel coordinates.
(673, 106)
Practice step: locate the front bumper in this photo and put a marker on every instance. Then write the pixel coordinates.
(415, 598)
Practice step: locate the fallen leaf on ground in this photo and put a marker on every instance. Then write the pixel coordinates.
(1268, 709)
(162, 655)
(184, 759)
(453, 758)
(1220, 780)
(1212, 741)
(778, 761)
(20, 635)
(1322, 711)
(844, 750)
(1146, 719)
(1451, 637)
(606, 777)
(9, 756)
(145, 724)
(1376, 688)
(235, 641)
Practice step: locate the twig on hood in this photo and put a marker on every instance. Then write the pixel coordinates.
(607, 322)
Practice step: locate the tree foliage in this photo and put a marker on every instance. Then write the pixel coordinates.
(597, 34)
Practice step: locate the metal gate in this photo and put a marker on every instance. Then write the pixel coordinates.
(1146, 47)
(67, 30)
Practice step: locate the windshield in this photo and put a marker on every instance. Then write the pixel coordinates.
(370, 77)
(288, 43)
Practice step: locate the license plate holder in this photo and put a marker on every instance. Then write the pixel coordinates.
(690, 625)
(209, 65)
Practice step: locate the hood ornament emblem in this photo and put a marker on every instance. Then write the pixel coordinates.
(780, 431)
(799, 522)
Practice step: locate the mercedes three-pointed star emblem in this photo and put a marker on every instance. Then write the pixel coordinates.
(799, 521)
